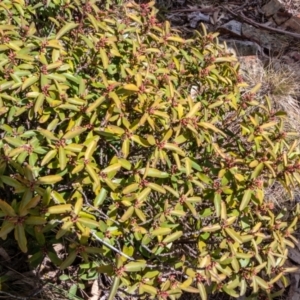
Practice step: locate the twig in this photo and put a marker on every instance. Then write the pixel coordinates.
(249, 21)
(193, 233)
(34, 293)
(113, 147)
(12, 296)
(50, 31)
(110, 246)
(192, 252)
(204, 10)
(158, 255)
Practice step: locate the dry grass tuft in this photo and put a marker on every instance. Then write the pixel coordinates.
(281, 83)
(281, 79)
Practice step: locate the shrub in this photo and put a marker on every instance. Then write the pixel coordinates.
(136, 149)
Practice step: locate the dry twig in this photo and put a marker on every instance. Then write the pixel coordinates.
(251, 22)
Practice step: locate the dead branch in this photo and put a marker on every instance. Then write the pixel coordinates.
(251, 22)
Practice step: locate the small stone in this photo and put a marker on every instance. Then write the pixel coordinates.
(272, 7)
(293, 24)
(294, 255)
(233, 27)
(280, 18)
(243, 48)
(271, 42)
(196, 17)
(178, 20)
(294, 293)
(295, 55)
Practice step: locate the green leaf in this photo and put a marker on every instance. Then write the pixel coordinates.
(128, 213)
(234, 235)
(176, 39)
(246, 199)
(172, 237)
(65, 29)
(135, 266)
(14, 141)
(161, 231)
(11, 182)
(148, 289)
(114, 288)
(207, 125)
(131, 87)
(258, 169)
(7, 209)
(59, 209)
(151, 172)
(6, 228)
(100, 197)
(64, 277)
(21, 237)
(48, 157)
(62, 158)
(73, 133)
(217, 203)
(29, 82)
(230, 292)
(50, 179)
(104, 58)
(88, 223)
(69, 260)
(202, 291)
(35, 220)
(142, 196)
(48, 134)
